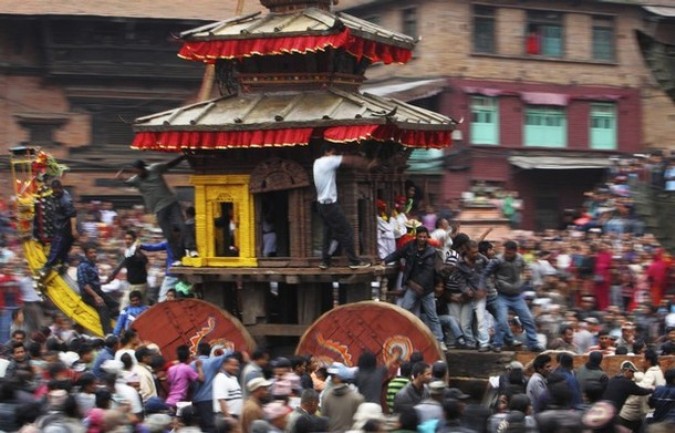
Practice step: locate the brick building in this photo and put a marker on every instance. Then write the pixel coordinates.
(548, 90)
(74, 76)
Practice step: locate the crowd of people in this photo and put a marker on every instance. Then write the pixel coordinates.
(56, 381)
(599, 285)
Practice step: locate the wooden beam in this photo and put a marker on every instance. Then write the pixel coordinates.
(276, 330)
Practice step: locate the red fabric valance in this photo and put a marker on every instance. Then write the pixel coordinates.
(184, 140)
(210, 51)
(192, 140)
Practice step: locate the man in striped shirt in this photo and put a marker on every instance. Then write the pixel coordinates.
(227, 397)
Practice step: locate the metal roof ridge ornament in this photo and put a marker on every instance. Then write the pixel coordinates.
(293, 5)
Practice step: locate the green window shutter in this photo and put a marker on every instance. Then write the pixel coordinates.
(551, 41)
(545, 127)
(484, 120)
(603, 126)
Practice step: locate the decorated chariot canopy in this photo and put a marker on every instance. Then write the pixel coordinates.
(290, 77)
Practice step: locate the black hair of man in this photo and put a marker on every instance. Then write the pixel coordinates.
(142, 353)
(204, 348)
(127, 336)
(131, 233)
(419, 368)
(297, 361)
(460, 241)
(416, 357)
(85, 348)
(86, 379)
(327, 146)
(136, 294)
(183, 353)
(670, 376)
(409, 419)
(89, 246)
(566, 361)
(55, 368)
(406, 369)
(621, 350)
(17, 344)
(652, 357)
(18, 332)
(367, 361)
(452, 409)
(540, 361)
(484, 247)
(511, 246)
(34, 349)
(111, 341)
(439, 369)
(422, 229)
(309, 396)
(259, 353)
(519, 402)
(560, 394)
(103, 399)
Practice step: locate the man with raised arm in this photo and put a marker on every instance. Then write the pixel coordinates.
(158, 197)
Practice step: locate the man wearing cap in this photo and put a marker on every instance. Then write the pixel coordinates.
(432, 407)
(627, 339)
(419, 279)
(341, 402)
(584, 335)
(276, 414)
(158, 197)
(621, 386)
(258, 394)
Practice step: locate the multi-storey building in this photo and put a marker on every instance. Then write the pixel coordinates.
(74, 75)
(548, 90)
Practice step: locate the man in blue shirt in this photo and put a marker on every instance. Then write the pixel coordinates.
(89, 283)
(130, 312)
(202, 399)
(107, 353)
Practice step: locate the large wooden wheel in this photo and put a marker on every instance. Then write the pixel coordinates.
(170, 324)
(386, 330)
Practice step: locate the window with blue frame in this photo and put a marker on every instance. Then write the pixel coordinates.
(603, 126)
(484, 120)
(545, 126)
(544, 34)
(603, 38)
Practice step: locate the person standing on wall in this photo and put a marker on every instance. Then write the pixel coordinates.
(335, 223)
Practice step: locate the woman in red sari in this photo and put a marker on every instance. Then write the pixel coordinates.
(602, 276)
(657, 277)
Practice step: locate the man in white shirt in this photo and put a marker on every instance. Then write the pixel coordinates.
(227, 397)
(336, 225)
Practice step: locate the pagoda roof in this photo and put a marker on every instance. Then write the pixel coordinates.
(291, 119)
(298, 31)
